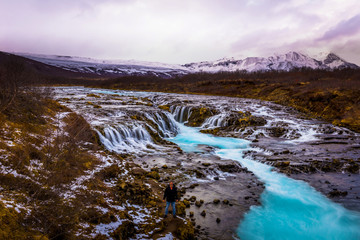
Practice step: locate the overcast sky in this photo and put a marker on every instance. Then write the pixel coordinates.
(180, 31)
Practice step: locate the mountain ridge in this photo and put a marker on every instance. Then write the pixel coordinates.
(279, 62)
(282, 62)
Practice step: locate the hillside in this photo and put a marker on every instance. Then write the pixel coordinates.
(99, 195)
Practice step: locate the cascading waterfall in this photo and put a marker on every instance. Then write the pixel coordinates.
(165, 123)
(181, 113)
(124, 139)
(218, 120)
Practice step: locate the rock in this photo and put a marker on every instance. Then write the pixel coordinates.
(180, 209)
(277, 131)
(213, 131)
(198, 204)
(186, 231)
(154, 175)
(186, 203)
(225, 201)
(206, 164)
(154, 169)
(353, 168)
(218, 220)
(138, 172)
(192, 199)
(199, 174)
(192, 186)
(216, 201)
(199, 115)
(164, 166)
(216, 178)
(164, 107)
(337, 193)
(230, 168)
(201, 201)
(191, 214)
(257, 121)
(282, 164)
(203, 213)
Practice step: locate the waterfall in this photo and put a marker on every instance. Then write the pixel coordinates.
(165, 123)
(181, 113)
(218, 120)
(136, 137)
(124, 139)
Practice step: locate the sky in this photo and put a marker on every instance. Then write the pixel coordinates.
(180, 31)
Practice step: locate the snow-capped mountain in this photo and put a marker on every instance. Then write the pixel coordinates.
(108, 67)
(283, 62)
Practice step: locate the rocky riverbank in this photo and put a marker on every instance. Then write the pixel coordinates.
(215, 193)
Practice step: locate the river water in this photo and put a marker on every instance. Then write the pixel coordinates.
(290, 209)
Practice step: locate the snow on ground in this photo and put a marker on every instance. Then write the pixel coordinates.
(77, 184)
(9, 203)
(168, 236)
(105, 229)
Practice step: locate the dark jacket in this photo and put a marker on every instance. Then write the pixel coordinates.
(171, 195)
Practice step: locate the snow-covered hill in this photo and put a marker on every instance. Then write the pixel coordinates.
(284, 62)
(108, 67)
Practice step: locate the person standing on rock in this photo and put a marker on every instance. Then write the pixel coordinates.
(171, 196)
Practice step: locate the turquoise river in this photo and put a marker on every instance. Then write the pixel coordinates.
(290, 209)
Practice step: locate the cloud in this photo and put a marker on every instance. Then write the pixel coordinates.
(176, 31)
(344, 28)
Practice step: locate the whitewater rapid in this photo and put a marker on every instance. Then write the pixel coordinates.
(289, 209)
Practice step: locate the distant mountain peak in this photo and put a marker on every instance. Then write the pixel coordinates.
(284, 62)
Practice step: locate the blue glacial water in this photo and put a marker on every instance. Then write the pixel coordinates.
(290, 209)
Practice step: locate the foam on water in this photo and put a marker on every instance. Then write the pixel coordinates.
(290, 209)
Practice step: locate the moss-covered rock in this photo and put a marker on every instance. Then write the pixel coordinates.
(186, 203)
(180, 208)
(282, 164)
(164, 107)
(277, 131)
(213, 131)
(136, 192)
(199, 115)
(154, 175)
(186, 231)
